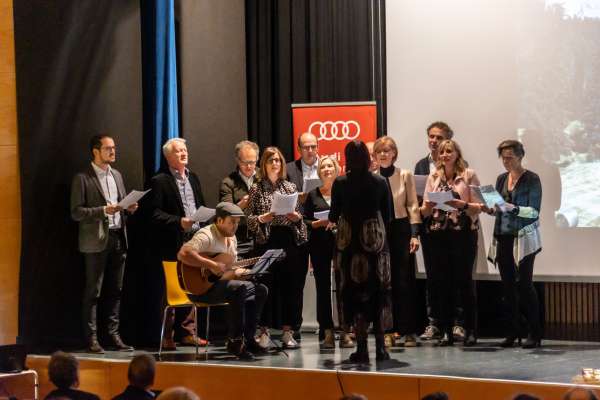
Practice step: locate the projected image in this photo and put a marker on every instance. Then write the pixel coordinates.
(559, 113)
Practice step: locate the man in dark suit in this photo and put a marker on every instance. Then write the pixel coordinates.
(63, 371)
(235, 188)
(437, 132)
(306, 167)
(176, 195)
(95, 193)
(140, 374)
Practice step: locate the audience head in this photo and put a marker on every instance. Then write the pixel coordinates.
(450, 154)
(436, 396)
(103, 149)
(246, 156)
(63, 370)
(227, 218)
(328, 169)
(511, 152)
(374, 165)
(354, 396)
(142, 369)
(436, 133)
(175, 152)
(580, 394)
(308, 148)
(178, 393)
(385, 151)
(525, 396)
(357, 157)
(272, 164)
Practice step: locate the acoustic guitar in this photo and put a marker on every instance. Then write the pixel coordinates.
(197, 280)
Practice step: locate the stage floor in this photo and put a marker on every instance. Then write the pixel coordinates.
(556, 361)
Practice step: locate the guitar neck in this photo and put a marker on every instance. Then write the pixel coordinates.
(244, 263)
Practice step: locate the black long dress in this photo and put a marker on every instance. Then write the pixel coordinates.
(360, 207)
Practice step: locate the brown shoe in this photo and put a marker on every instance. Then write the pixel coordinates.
(346, 341)
(168, 344)
(329, 340)
(94, 346)
(189, 341)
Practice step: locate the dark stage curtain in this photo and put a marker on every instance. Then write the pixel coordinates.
(78, 66)
(304, 51)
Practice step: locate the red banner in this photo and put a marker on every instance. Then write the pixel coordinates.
(335, 125)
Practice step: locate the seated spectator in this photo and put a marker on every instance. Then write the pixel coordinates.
(63, 370)
(580, 394)
(142, 369)
(178, 393)
(436, 396)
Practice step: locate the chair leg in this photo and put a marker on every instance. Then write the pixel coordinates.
(196, 329)
(162, 330)
(207, 325)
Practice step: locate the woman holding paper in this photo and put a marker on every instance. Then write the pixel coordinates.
(320, 245)
(403, 238)
(360, 206)
(272, 230)
(453, 229)
(517, 241)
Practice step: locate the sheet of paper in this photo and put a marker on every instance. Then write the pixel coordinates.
(310, 184)
(133, 197)
(322, 214)
(203, 214)
(420, 181)
(284, 203)
(265, 261)
(439, 198)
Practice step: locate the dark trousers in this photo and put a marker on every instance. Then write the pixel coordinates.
(285, 281)
(458, 310)
(321, 253)
(518, 287)
(404, 282)
(453, 255)
(104, 278)
(246, 301)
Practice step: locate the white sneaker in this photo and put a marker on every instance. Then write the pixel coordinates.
(288, 341)
(264, 339)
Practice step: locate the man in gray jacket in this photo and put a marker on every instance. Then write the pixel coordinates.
(95, 193)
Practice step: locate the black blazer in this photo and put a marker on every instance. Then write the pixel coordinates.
(294, 174)
(422, 167)
(134, 393)
(167, 211)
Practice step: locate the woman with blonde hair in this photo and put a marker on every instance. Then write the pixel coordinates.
(453, 231)
(320, 246)
(403, 238)
(272, 231)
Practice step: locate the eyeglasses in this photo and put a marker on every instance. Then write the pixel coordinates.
(247, 163)
(108, 148)
(274, 160)
(309, 147)
(384, 151)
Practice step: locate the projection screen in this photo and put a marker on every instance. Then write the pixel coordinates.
(509, 69)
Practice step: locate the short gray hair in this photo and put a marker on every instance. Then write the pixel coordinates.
(243, 144)
(168, 146)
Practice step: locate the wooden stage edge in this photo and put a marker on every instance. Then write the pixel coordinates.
(107, 378)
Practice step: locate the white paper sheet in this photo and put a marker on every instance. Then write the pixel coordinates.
(133, 197)
(203, 214)
(284, 203)
(322, 215)
(310, 184)
(439, 198)
(420, 181)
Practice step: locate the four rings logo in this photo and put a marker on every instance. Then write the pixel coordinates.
(335, 130)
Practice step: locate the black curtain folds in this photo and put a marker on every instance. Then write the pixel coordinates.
(307, 51)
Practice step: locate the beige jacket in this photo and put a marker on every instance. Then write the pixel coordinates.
(404, 194)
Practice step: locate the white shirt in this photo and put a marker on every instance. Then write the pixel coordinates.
(310, 171)
(247, 180)
(111, 193)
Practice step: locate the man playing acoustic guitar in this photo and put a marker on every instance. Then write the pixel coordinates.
(210, 276)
